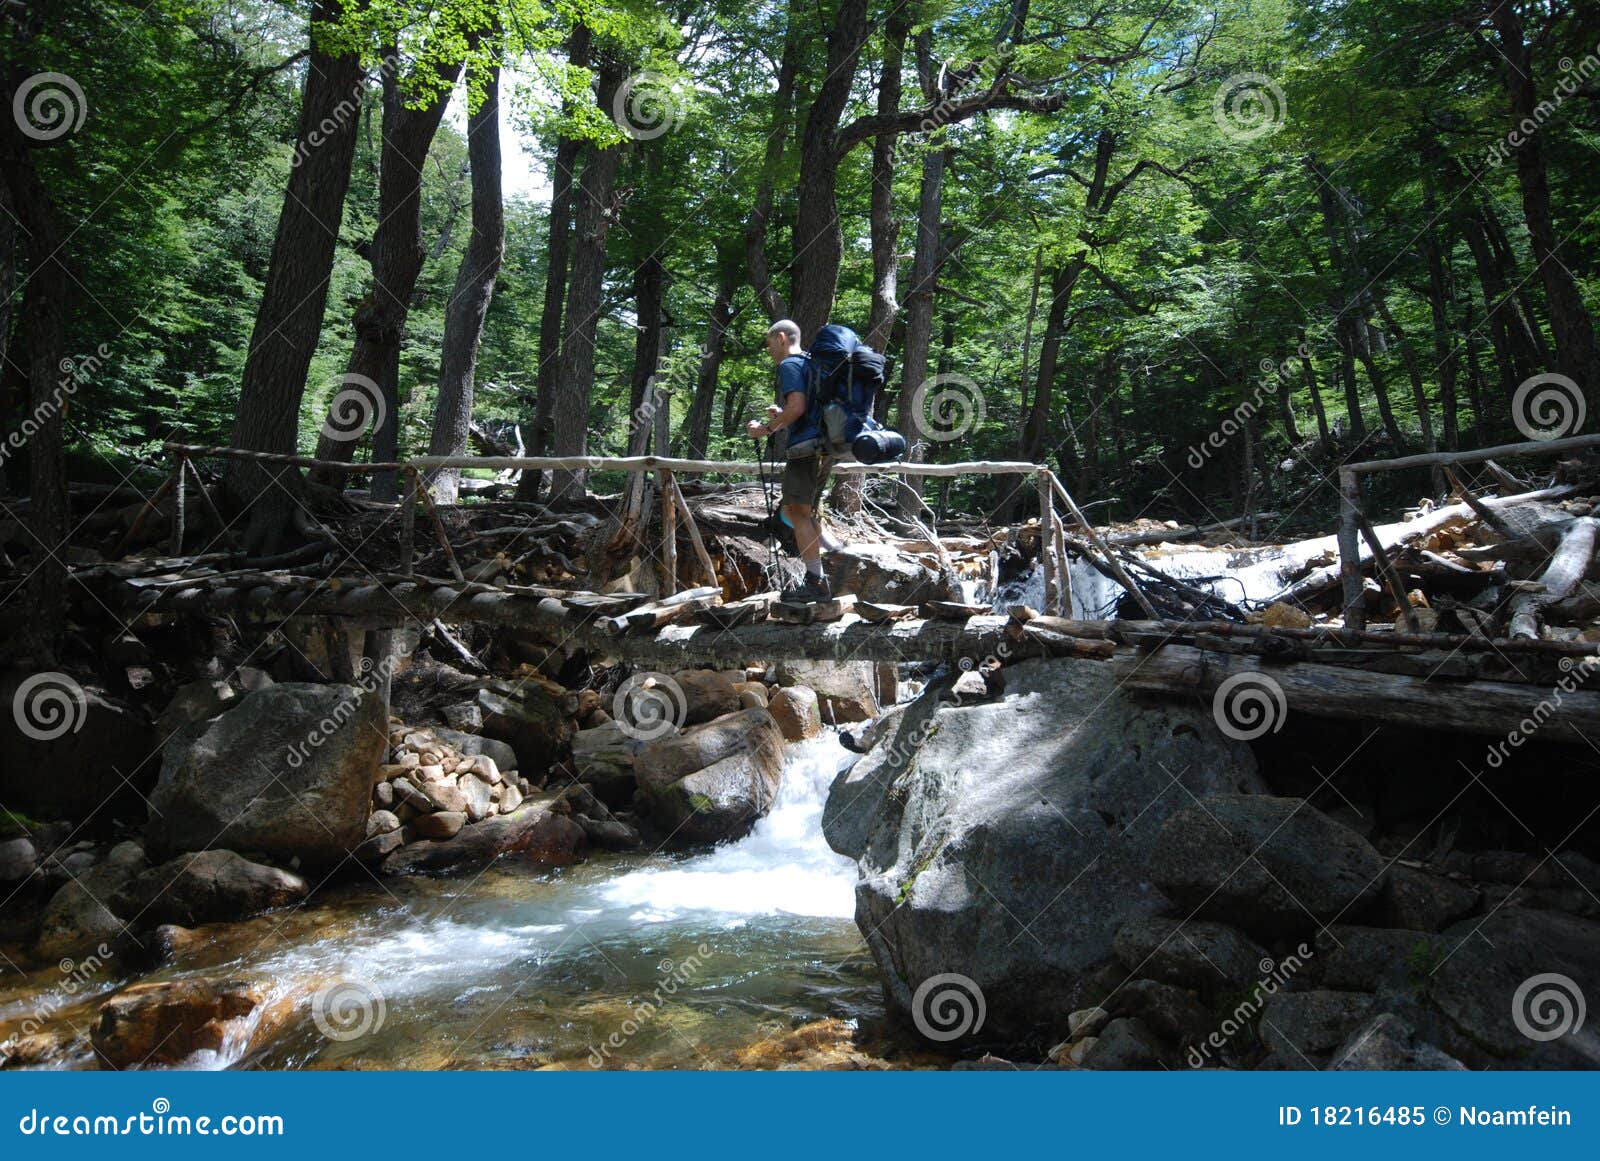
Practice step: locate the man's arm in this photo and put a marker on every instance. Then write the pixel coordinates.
(778, 418)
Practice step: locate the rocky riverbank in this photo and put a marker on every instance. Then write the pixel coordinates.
(1067, 876)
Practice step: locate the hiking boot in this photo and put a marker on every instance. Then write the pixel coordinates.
(809, 591)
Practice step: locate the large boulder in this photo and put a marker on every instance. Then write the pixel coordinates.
(533, 829)
(708, 693)
(797, 713)
(66, 750)
(204, 888)
(883, 574)
(79, 915)
(604, 759)
(1271, 865)
(1387, 1043)
(288, 772)
(713, 781)
(536, 725)
(166, 1022)
(844, 689)
(1009, 841)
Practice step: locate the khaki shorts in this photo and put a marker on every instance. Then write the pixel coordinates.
(804, 479)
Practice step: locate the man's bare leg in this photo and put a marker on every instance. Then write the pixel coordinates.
(807, 533)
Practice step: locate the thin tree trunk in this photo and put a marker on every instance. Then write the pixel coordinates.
(288, 322)
(1419, 392)
(885, 224)
(697, 425)
(44, 313)
(818, 238)
(755, 237)
(397, 253)
(558, 252)
(1577, 354)
(1440, 296)
(1324, 438)
(585, 283)
(474, 289)
(650, 340)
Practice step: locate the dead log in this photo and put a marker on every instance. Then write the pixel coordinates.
(1567, 566)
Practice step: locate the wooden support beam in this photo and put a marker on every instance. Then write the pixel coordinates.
(408, 523)
(1118, 573)
(669, 530)
(1355, 589)
(1397, 588)
(1490, 708)
(179, 478)
(439, 531)
(704, 557)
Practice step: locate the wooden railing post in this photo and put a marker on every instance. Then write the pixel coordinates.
(669, 529)
(1355, 609)
(1047, 553)
(408, 524)
(178, 481)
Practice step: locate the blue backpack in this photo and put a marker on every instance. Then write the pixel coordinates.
(843, 378)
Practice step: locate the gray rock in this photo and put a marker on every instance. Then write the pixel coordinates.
(534, 830)
(288, 772)
(708, 693)
(406, 793)
(383, 796)
(445, 794)
(78, 863)
(713, 781)
(1194, 953)
(1387, 1043)
(1169, 1011)
(1307, 1025)
(856, 797)
(478, 797)
(797, 713)
(465, 716)
(1364, 958)
(75, 919)
(884, 575)
(17, 859)
(536, 726)
(440, 825)
(609, 833)
(98, 762)
(1419, 901)
(510, 798)
(380, 846)
(206, 887)
(1009, 841)
(381, 822)
(473, 744)
(198, 701)
(1124, 1044)
(1268, 864)
(1474, 990)
(604, 758)
(843, 688)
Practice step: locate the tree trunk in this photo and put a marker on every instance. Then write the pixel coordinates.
(585, 283)
(1577, 354)
(697, 425)
(650, 337)
(1324, 439)
(755, 235)
(558, 253)
(818, 238)
(289, 319)
(475, 282)
(1419, 392)
(397, 254)
(44, 314)
(885, 225)
(1440, 295)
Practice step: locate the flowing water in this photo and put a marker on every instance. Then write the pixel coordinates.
(645, 961)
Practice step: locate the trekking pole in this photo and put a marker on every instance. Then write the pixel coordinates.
(776, 575)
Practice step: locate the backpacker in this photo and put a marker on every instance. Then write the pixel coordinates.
(843, 378)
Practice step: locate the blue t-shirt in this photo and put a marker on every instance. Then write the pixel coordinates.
(792, 378)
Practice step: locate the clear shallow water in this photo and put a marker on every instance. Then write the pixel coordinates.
(710, 959)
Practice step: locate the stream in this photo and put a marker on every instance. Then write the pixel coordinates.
(705, 959)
